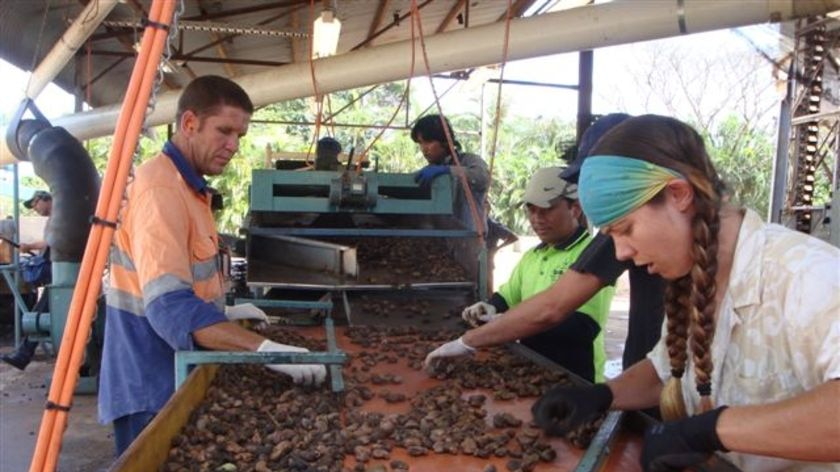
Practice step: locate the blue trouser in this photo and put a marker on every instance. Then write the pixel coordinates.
(127, 428)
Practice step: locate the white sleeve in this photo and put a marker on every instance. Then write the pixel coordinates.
(659, 355)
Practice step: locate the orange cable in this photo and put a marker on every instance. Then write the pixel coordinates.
(330, 120)
(403, 100)
(128, 148)
(77, 329)
(498, 108)
(318, 98)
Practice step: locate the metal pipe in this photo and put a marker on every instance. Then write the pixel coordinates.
(75, 36)
(781, 162)
(337, 125)
(801, 120)
(64, 164)
(551, 33)
(584, 105)
(19, 306)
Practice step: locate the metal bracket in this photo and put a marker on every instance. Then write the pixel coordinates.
(185, 359)
(333, 357)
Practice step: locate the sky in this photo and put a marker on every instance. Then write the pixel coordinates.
(52, 102)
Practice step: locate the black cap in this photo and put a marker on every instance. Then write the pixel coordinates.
(588, 140)
(38, 195)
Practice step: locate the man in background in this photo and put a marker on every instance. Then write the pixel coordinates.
(326, 154)
(41, 203)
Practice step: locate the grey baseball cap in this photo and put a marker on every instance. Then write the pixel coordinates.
(546, 185)
(38, 195)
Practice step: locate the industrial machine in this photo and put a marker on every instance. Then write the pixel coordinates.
(315, 240)
(341, 233)
(61, 161)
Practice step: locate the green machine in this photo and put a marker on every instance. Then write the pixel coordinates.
(309, 234)
(64, 164)
(297, 213)
(48, 325)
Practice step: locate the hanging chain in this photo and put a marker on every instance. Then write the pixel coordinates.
(223, 28)
(38, 46)
(159, 80)
(167, 54)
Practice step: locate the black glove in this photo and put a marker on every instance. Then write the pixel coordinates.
(675, 445)
(562, 409)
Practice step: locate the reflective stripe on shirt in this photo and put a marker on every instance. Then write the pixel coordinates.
(164, 284)
(125, 301)
(122, 259)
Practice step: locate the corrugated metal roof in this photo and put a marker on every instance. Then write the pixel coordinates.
(30, 28)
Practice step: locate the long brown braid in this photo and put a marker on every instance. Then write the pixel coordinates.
(690, 300)
(705, 227)
(676, 297)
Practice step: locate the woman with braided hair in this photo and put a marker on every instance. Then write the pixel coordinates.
(749, 360)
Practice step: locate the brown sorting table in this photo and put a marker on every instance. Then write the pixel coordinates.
(151, 448)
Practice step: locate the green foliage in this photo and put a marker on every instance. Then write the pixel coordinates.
(524, 145)
(234, 185)
(743, 156)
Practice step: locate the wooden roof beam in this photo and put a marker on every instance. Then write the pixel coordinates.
(377, 20)
(395, 22)
(204, 16)
(453, 12)
(220, 45)
(519, 8)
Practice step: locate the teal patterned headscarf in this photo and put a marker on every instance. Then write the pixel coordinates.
(610, 187)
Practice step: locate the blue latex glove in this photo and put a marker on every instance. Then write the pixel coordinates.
(676, 445)
(426, 175)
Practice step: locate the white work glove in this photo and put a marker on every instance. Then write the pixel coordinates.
(479, 313)
(245, 311)
(302, 374)
(456, 348)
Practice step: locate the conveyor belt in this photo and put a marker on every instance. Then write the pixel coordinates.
(266, 274)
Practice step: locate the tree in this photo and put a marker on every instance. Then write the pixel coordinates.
(729, 97)
(525, 145)
(740, 154)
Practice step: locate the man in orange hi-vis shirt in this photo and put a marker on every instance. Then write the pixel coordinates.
(166, 289)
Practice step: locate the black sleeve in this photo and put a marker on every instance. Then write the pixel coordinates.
(599, 260)
(498, 302)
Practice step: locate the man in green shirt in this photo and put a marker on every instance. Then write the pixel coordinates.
(578, 342)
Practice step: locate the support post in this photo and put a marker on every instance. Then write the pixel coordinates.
(584, 111)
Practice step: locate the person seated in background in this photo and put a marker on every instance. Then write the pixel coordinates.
(578, 342)
(326, 154)
(430, 132)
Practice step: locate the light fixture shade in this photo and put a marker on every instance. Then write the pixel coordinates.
(325, 34)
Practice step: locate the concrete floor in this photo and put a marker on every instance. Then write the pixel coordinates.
(87, 446)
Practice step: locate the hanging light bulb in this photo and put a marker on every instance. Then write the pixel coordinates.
(326, 32)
